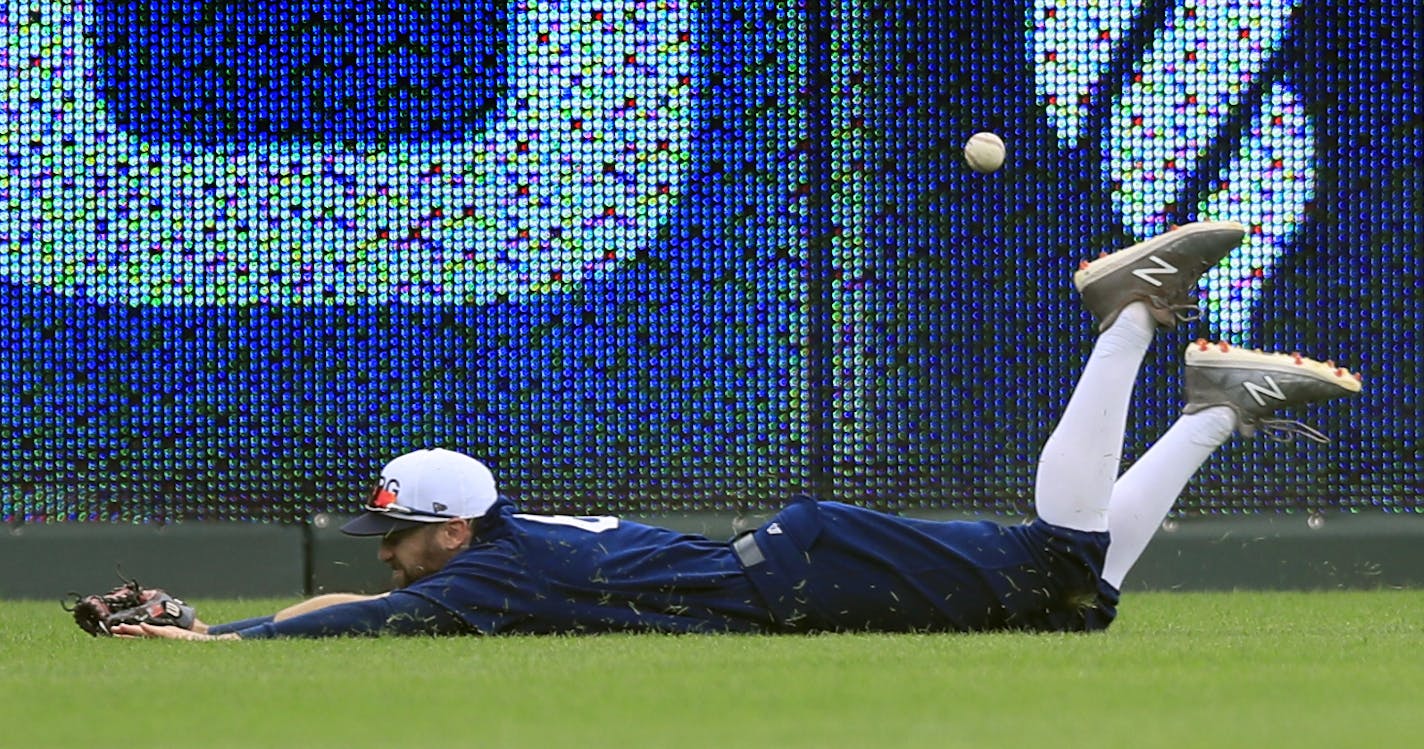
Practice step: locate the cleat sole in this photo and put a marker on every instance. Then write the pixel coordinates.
(1224, 356)
(1092, 271)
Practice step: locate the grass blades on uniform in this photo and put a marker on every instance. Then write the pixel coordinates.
(1178, 670)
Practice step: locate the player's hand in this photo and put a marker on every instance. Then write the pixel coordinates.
(137, 631)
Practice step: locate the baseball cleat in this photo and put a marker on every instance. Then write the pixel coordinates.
(1256, 383)
(1161, 271)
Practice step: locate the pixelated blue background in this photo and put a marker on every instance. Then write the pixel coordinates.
(701, 376)
(206, 72)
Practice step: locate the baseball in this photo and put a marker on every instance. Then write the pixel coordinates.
(984, 152)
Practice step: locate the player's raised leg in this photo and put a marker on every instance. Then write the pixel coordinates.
(1131, 292)
(1227, 389)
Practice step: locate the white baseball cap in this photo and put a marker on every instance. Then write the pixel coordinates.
(425, 486)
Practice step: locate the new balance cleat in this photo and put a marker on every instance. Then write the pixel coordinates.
(1256, 383)
(1161, 271)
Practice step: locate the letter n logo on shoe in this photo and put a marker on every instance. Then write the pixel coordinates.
(1270, 389)
(1163, 268)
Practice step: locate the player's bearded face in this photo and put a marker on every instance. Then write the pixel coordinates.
(412, 553)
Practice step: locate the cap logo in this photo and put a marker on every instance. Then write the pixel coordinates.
(439, 507)
(385, 493)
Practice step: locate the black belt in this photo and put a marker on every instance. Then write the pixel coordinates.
(747, 550)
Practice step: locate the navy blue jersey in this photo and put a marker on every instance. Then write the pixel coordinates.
(816, 566)
(539, 574)
(835, 567)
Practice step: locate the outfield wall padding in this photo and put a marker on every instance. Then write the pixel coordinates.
(192, 558)
(1284, 553)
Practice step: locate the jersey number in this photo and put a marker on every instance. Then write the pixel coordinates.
(592, 524)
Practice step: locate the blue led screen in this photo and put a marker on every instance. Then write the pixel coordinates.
(661, 256)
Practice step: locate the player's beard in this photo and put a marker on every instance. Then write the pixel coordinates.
(406, 573)
(428, 560)
(398, 578)
(427, 557)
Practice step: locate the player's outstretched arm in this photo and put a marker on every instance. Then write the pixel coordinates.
(399, 614)
(138, 631)
(291, 612)
(320, 602)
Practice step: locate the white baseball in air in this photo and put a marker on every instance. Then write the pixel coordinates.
(984, 152)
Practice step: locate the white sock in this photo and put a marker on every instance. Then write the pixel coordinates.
(1145, 494)
(1079, 462)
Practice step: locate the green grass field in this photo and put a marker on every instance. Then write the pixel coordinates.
(1177, 670)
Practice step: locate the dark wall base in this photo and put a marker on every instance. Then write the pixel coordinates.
(193, 559)
(1284, 553)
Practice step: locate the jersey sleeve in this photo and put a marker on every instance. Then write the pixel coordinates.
(239, 625)
(489, 589)
(400, 613)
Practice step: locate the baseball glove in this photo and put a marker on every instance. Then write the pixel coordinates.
(129, 604)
